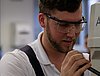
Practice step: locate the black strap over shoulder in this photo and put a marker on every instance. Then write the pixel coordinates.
(33, 60)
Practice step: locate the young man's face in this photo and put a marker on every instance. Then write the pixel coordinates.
(62, 36)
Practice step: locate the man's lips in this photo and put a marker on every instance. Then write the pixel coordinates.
(67, 42)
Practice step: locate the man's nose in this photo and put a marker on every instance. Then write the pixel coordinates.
(71, 31)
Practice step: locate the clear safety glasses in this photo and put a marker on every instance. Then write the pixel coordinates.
(63, 26)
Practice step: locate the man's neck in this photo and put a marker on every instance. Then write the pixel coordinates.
(54, 56)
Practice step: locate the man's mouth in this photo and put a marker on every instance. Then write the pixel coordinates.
(68, 42)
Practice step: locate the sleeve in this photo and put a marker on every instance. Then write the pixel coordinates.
(15, 64)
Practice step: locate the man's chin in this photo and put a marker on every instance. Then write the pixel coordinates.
(68, 49)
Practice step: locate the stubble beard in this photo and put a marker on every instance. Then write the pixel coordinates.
(56, 45)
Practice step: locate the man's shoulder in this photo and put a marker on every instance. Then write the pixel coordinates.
(15, 62)
(14, 56)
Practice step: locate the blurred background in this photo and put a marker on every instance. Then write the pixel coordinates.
(19, 24)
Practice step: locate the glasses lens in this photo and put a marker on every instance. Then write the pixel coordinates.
(64, 27)
(69, 28)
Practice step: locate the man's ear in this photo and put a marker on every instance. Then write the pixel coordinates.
(41, 18)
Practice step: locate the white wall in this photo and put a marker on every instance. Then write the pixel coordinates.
(14, 11)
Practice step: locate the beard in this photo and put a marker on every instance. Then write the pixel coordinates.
(56, 45)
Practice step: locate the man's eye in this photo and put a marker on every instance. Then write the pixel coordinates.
(78, 24)
(61, 24)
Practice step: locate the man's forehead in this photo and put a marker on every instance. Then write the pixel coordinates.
(67, 15)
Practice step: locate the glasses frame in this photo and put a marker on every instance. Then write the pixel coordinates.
(83, 20)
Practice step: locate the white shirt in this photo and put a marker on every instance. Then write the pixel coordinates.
(16, 63)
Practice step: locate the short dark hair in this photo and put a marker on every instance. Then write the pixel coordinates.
(61, 5)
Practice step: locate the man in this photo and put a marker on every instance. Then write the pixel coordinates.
(61, 21)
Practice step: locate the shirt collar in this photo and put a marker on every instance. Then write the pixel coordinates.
(39, 51)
